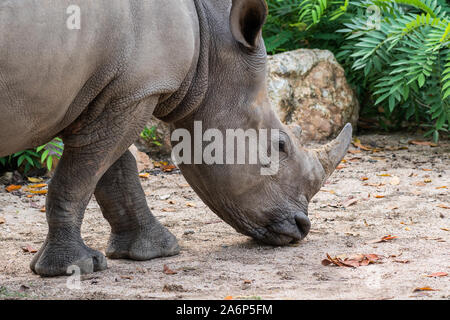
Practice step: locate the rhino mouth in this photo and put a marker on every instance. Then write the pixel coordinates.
(291, 229)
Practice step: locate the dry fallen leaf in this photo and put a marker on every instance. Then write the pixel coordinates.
(159, 164)
(228, 298)
(42, 209)
(438, 239)
(427, 181)
(340, 167)
(379, 196)
(168, 168)
(12, 188)
(384, 239)
(445, 229)
(436, 275)
(392, 148)
(184, 185)
(364, 178)
(2, 220)
(126, 277)
(443, 187)
(384, 175)
(357, 143)
(424, 289)
(190, 205)
(144, 175)
(401, 261)
(443, 206)
(169, 210)
(354, 151)
(168, 271)
(35, 180)
(29, 249)
(382, 158)
(39, 191)
(37, 186)
(389, 237)
(423, 143)
(352, 261)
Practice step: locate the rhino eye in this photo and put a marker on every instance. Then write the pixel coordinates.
(282, 146)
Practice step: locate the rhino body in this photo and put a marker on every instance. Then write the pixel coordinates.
(53, 77)
(97, 86)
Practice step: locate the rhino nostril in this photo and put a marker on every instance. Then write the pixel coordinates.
(303, 224)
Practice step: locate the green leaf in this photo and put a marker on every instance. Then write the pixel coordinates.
(39, 149)
(21, 159)
(421, 80)
(49, 163)
(446, 94)
(44, 155)
(391, 103)
(436, 136)
(441, 121)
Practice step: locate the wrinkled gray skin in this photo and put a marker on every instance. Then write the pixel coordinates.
(181, 60)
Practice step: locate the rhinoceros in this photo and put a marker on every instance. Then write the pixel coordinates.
(97, 85)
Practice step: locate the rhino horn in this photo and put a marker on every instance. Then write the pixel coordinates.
(331, 154)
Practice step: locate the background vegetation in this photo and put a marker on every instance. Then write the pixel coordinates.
(41, 157)
(396, 53)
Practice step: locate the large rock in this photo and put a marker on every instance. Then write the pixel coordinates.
(309, 88)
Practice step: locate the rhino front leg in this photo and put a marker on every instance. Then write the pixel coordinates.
(91, 146)
(68, 195)
(135, 232)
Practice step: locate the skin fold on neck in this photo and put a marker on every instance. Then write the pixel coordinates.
(192, 91)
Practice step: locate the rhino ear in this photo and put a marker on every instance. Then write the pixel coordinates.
(246, 21)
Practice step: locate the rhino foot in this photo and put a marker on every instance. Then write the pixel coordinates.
(135, 233)
(55, 260)
(143, 245)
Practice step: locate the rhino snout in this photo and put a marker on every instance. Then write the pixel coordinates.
(293, 229)
(303, 224)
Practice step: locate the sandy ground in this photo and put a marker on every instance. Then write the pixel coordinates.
(217, 262)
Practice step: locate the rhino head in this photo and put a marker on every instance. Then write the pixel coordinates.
(272, 208)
